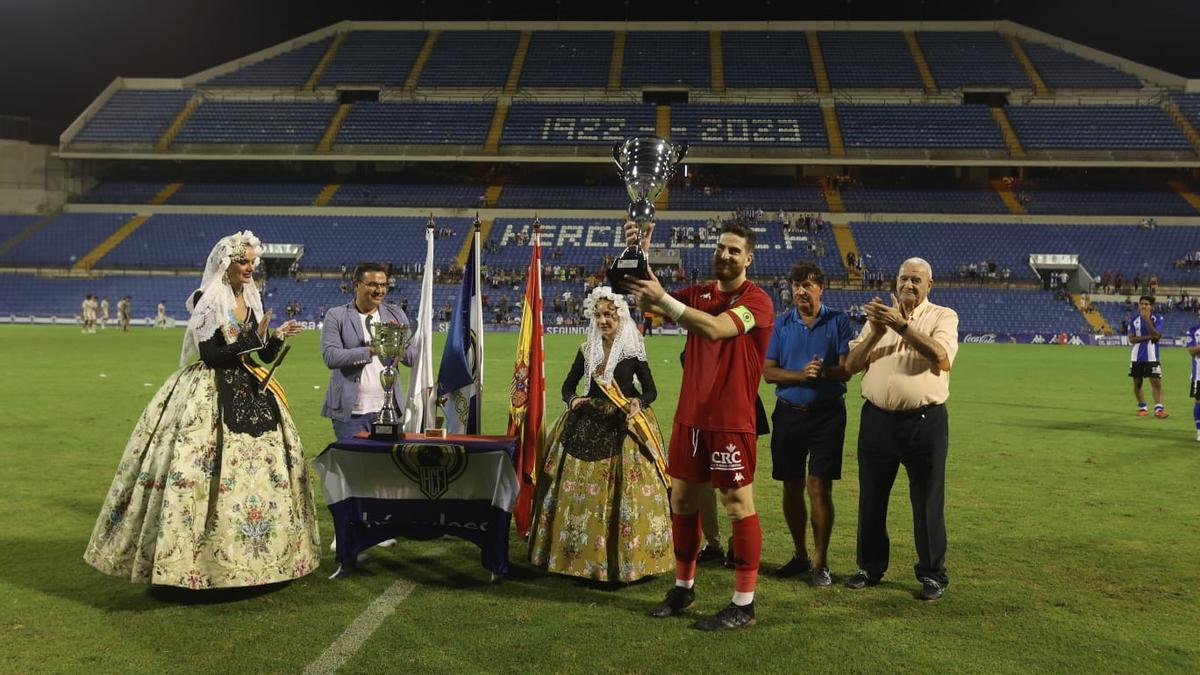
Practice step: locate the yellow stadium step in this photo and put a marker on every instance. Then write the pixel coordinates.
(1094, 318)
(492, 195)
(326, 194)
(1010, 200)
(24, 234)
(818, 61)
(918, 56)
(414, 75)
(165, 193)
(662, 122)
(716, 62)
(1018, 50)
(832, 197)
(844, 238)
(492, 143)
(1010, 135)
(335, 125)
(314, 78)
(93, 256)
(617, 63)
(833, 131)
(518, 63)
(181, 119)
(1185, 191)
(485, 228)
(1184, 124)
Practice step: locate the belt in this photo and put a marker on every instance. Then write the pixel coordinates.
(913, 411)
(811, 407)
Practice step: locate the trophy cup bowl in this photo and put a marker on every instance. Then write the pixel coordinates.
(645, 163)
(390, 341)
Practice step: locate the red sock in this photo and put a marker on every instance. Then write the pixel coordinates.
(747, 546)
(686, 531)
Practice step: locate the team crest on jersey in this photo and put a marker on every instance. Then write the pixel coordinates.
(706, 296)
(432, 467)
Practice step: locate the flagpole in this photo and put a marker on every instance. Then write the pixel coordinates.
(477, 319)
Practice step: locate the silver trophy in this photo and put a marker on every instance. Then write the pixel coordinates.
(645, 163)
(390, 341)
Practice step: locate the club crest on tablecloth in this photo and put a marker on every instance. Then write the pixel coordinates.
(433, 467)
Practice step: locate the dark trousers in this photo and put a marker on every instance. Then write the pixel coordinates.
(919, 440)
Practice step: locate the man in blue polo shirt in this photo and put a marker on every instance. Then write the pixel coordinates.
(1145, 330)
(806, 361)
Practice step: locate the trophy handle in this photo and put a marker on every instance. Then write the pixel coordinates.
(681, 151)
(616, 153)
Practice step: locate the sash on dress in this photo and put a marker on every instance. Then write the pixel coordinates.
(640, 427)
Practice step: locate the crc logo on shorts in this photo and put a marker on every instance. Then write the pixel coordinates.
(1156, 370)
(729, 459)
(432, 467)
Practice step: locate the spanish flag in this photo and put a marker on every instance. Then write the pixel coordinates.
(527, 400)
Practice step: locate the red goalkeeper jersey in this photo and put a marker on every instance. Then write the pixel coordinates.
(720, 377)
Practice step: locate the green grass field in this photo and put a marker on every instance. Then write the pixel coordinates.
(1073, 528)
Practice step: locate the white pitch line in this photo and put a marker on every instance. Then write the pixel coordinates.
(356, 634)
(364, 625)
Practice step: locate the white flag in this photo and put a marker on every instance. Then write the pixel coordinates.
(421, 408)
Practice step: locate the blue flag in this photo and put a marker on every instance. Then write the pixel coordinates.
(460, 376)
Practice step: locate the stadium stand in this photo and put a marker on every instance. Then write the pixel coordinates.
(990, 311)
(1063, 70)
(868, 60)
(65, 239)
(564, 197)
(765, 125)
(890, 200)
(1189, 105)
(126, 192)
(576, 123)
(918, 126)
(666, 58)
(257, 122)
(1111, 201)
(568, 58)
(1096, 127)
(240, 193)
(960, 59)
(11, 226)
(470, 58)
(372, 122)
(382, 57)
(393, 194)
(135, 116)
(289, 69)
(775, 59)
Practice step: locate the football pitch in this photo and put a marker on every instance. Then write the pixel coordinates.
(1074, 536)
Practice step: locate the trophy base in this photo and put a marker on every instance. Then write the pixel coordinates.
(385, 431)
(631, 264)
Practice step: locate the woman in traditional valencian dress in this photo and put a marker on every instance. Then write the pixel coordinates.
(601, 510)
(213, 490)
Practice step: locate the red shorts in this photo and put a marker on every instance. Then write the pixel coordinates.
(725, 458)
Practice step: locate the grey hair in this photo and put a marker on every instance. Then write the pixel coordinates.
(919, 262)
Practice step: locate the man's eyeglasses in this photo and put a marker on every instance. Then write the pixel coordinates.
(374, 285)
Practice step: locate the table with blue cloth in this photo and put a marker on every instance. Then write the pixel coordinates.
(420, 487)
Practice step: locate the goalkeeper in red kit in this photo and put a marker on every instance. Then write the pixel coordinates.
(713, 439)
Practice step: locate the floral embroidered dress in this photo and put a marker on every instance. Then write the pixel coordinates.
(213, 490)
(601, 510)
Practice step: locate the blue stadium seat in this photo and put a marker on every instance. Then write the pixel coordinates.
(382, 123)
(568, 58)
(764, 125)
(470, 58)
(777, 59)
(977, 58)
(1063, 70)
(217, 121)
(1096, 127)
(135, 116)
(666, 58)
(289, 69)
(868, 60)
(918, 126)
(576, 123)
(383, 57)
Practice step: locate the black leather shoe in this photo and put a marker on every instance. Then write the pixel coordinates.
(793, 567)
(677, 601)
(931, 589)
(732, 616)
(820, 577)
(710, 553)
(860, 580)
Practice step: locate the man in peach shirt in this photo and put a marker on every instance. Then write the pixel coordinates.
(907, 349)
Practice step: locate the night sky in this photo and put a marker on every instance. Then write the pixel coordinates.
(59, 54)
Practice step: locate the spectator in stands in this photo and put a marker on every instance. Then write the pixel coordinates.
(806, 361)
(601, 510)
(224, 447)
(1106, 281)
(907, 349)
(355, 395)
(1145, 331)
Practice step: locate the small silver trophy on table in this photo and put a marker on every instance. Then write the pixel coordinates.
(645, 163)
(390, 341)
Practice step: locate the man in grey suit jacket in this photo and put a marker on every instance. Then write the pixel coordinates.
(355, 395)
